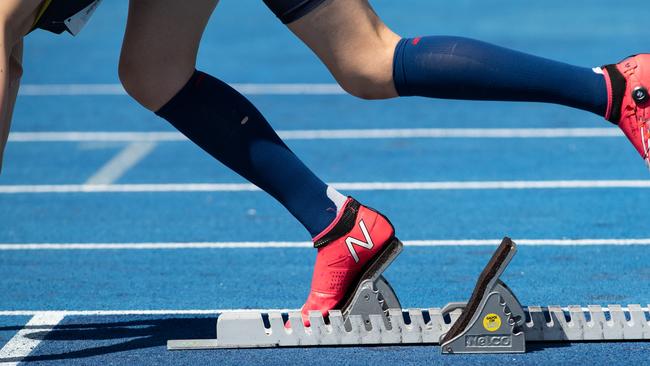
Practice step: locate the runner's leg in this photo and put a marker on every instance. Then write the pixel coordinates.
(157, 69)
(370, 61)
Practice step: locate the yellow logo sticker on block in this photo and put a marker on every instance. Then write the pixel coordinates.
(492, 322)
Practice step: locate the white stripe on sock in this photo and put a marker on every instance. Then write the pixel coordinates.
(336, 197)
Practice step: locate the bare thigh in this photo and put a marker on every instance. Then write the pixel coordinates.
(160, 46)
(354, 43)
(16, 71)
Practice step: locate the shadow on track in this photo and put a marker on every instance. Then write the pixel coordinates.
(130, 335)
(148, 333)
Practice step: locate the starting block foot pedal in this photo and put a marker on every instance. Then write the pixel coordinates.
(491, 319)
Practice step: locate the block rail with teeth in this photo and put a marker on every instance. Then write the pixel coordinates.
(492, 321)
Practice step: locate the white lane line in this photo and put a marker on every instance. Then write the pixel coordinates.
(304, 244)
(73, 136)
(186, 311)
(149, 246)
(126, 188)
(331, 134)
(21, 345)
(289, 89)
(117, 89)
(353, 186)
(135, 312)
(451, 133)
(121, 163)
(70, 89)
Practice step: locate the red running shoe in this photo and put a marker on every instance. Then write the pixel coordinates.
(357, 246)
(629, 101)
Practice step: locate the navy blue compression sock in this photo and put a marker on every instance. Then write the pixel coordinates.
(462, 68)
(227, 126)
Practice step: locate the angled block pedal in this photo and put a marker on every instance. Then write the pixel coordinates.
(492, 319)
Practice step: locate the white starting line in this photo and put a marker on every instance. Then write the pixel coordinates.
(43, 322)
(64, 313)
(21, 345)
(305, 244)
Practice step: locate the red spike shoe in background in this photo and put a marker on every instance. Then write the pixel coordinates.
(629, 102)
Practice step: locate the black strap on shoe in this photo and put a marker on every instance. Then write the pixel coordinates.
(344, 226)
(618, 85)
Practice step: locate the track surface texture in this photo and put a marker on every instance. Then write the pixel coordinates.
(107, 275)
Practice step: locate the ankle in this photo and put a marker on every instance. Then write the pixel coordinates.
(616, 85)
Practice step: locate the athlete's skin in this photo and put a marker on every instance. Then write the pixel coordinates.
(161, 43)
(359, 53)
(16, 19)
(162, 39)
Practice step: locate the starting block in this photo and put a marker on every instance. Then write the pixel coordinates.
(492, 321)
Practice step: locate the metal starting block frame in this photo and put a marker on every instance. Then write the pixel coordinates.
(492, 321)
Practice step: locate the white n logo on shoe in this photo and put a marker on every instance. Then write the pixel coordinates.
(351, 242)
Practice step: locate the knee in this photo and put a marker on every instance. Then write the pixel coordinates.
(152, 84)
(367, 75)
(139, 84)
(365, 84)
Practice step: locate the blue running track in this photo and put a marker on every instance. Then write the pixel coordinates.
(452, 171)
